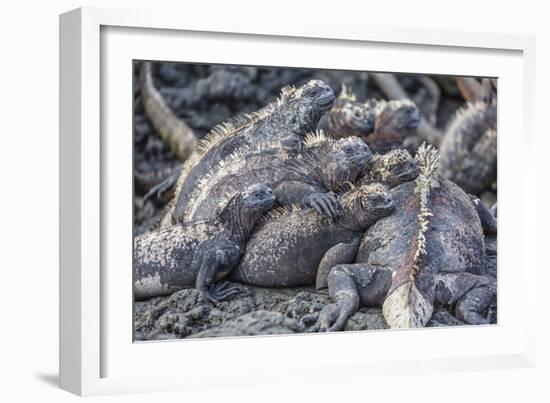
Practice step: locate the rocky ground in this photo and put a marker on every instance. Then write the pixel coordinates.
(256, 311)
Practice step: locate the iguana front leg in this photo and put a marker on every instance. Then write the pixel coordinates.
(212, 264)
(294, 192)
(470, 295)
(486, 216)
(351, 286)
(339, 254)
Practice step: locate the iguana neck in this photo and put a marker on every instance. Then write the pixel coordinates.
(349, 221)
(287, 118)
(238, 223)
(375, 169)
(312, 167)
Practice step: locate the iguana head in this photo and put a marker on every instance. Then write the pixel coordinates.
(392, 169)
(342, 160)
(399, 115)
(242, 210)
(257, 199)
(395, 121)
(301, 108)
(364, 205)
(350, 118)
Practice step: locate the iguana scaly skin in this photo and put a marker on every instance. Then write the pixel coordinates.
(174, 131)
(308, 177)
(469, 147)
(199, 253)
(391, 169)
(296, 246)
(348, 117)
(296, 113)
(430, 252)
(395, 121)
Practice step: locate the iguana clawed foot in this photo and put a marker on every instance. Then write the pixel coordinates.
(331, 318)
(221, 291)
(323, 203)
(158, 191)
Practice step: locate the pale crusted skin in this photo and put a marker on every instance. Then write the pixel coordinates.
(296, 178)
(395, 121)
(173, 130)
(290, 249)
(469, 148)
(348, 117)
(198, 253)
(295, 114)
(431, 251)
(390, 169)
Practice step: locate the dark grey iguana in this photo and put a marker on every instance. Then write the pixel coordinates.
(308, 177)
(383, 125)
(469, 147)
(223, 83)
(173, 130)
(429, 252)
(199, 253)
(296, 246)
(348, 117)
(395, 121)
(296, 113)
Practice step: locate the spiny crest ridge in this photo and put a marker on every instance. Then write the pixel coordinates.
(278, 212)
(316, 138)
(428, 158)
(347, 94)
(231, 126)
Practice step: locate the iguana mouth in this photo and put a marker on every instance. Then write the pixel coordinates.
(361, 160)
(415, 120)
(409, 174)
(389, 205)
(325, 100)
(365, 124)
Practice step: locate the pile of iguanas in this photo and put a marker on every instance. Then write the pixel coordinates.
(314, 190)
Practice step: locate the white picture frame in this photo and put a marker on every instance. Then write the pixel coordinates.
(97, 355)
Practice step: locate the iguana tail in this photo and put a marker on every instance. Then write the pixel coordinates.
(174, 131)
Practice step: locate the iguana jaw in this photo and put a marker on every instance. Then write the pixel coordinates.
(362, 207)
(398, 115)
(411, 172)
(345, 160)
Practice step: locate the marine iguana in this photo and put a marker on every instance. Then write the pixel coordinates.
(395, 121)
(390, 169)
(296, 113)
(430, 251)
(294, 246)
(308, 177)
(173, 130)
(199, 253)
(469, 148)
(383, 125)
(390, 86)
(348, 117)
(223, 83)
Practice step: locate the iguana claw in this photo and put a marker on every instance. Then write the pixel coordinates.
(331, 319)
(323, 203)
(221, 292)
